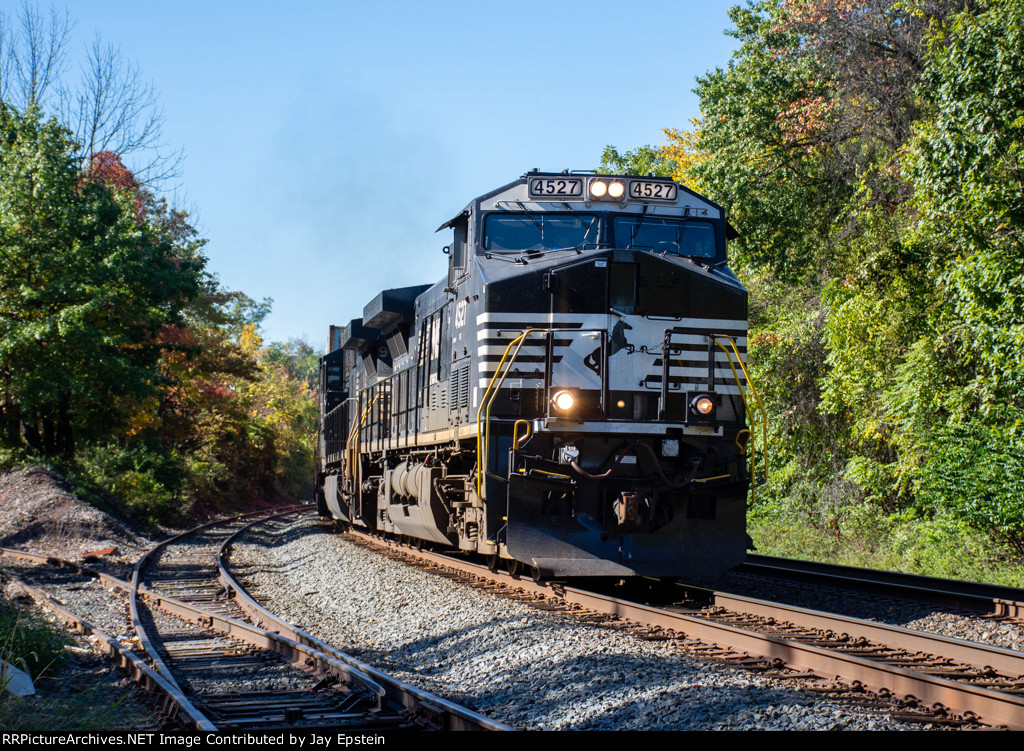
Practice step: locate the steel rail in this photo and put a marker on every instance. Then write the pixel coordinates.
(991, 707)
(306, 658)
(108, 581)
(448, 715)
(296, 654)
(301, 655)
(314, 656)
(1001, 601)
(1006, 661)
(181, 708)
(145, 640)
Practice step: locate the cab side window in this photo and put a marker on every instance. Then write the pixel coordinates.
(458, 254)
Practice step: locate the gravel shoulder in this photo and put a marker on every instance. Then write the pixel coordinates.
(917, 616)
(530, 668)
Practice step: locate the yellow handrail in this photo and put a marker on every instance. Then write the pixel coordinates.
(483, 415)
(483, 444)
(742, 446)
(350, 475)
(515, 432)
(746, 403)
(746, 406)
(716, 477)
(545, 472)
(753, 390)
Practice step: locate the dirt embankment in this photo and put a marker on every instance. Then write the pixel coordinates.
(39, 514)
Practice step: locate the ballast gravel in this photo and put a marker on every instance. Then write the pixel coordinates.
(527, 667)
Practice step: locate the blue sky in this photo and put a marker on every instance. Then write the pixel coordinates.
(326, 141)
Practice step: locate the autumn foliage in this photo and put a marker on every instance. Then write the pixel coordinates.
(106, 167)
(121, 359)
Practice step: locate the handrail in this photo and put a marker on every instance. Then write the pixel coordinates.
(746, 405)
(349, 474)
(483, 437)
(746, 402)
(483, 415)
(516, 441)
(327, 421)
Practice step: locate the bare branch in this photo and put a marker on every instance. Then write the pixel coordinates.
(5, 57)
(37, 53)
(111, 108)
(114, 109)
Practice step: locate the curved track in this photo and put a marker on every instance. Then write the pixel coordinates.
(192, 617)
(218, 671)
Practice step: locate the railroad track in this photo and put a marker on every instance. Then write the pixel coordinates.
(193, 605)
(972, 597)
(215, 670)
(927, 677)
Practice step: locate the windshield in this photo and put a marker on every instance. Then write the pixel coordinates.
(684, 237)
(539, 231)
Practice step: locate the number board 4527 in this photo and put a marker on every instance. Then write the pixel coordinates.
(644, 189)
(556, 187)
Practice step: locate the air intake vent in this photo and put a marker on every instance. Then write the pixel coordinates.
(462, 387)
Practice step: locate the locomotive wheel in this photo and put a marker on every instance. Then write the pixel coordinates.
(492, 562)
(515, 568)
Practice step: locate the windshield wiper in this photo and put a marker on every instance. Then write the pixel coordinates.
(680, 231)
(531, 217)
(590, 227)
(639, 221)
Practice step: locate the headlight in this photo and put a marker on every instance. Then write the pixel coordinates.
(606, 189)
(701, 409)
(564, 401)
(703, 405)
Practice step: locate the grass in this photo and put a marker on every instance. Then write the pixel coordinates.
(90, 709)
(75, 689)
(865, 536)
(29, 643)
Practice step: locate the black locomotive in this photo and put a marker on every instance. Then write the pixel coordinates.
(572, 397)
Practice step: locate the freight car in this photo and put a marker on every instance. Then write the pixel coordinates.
(571, 398)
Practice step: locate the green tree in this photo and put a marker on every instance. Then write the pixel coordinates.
(85, 287)
(643, 160)
(765, 123)
(966, 418)
(119, 353)
(297, 356)
(870, 155)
